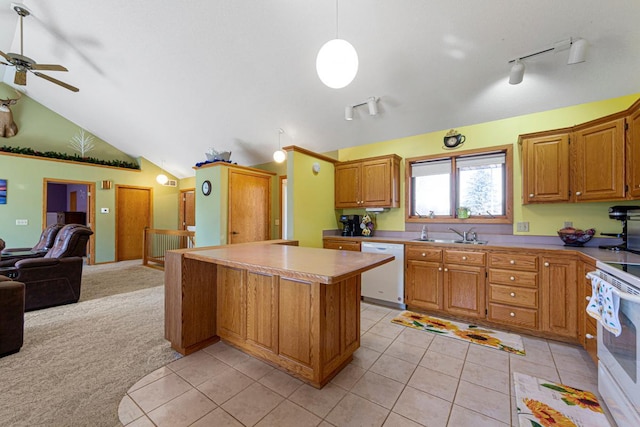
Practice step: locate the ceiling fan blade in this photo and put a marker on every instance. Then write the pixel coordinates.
(20, 77)
(48, 67)
(56, 81)
(5, 56)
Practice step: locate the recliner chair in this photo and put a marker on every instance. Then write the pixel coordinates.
(11, 316)
(56, 278)
(48, 237)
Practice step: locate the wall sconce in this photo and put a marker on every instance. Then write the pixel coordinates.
(106, 184)
(371, 103)
(279, 155)
(577, 54)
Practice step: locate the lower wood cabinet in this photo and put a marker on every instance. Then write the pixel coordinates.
(559, 292)
(344, 245)
(587, 326)
(423, 277)
(464, 283)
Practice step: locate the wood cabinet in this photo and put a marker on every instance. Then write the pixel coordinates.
(372, 182)
(559, 291)
(545, 168)
(587, 325)
(599, 159)
(513, 289)
(344, 245)
(423, 277)
(633, 152)
(464, 283)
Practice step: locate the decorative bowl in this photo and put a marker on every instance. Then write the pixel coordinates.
(224, 156)
(574, 237)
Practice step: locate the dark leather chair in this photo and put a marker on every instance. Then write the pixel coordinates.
(54, 279)
(11, 316)
(10, 255)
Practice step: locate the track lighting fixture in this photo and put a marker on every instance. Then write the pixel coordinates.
(577, 53)
(371, 103)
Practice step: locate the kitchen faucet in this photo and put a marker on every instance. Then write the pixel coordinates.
(465, 234)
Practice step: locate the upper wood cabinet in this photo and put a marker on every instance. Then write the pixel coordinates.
(545, 168)
(368, 183)
(598, 158)
(633, 152)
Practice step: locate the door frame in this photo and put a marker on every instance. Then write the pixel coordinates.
(283, 209)
(181, 205)
(91, 210)
(117, 232)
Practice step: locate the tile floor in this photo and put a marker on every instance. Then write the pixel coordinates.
(398, 377)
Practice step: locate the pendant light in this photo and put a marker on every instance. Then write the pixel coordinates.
(279, 155)
(337, 61)
(162, 179)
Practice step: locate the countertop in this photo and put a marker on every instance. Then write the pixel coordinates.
(309, 264)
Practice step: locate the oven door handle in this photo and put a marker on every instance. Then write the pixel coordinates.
(623, 295)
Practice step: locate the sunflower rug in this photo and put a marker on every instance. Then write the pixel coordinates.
(545, 403)
(511, 343)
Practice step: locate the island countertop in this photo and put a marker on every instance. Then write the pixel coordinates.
(312, 264)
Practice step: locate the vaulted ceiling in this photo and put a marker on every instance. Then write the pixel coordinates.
(167, 80)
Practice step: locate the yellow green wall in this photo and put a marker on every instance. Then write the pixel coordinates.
(543, 219)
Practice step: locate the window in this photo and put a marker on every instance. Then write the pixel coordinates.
(477, 180)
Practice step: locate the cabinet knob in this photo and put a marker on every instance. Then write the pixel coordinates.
(546, 264)
(439, 268)
(512, 262)
(531, 194)
(339, 247)
(578, 193)
(588, 298)
(512, 314)
(589, 336)
(464, 258)
(424, 254)
(513, 294)
(446, 269)
(512, 278)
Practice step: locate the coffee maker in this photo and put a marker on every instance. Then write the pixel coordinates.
(350, 225)
(619, 213)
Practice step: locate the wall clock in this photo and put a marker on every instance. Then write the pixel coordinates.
(206, 187)
(453, 139)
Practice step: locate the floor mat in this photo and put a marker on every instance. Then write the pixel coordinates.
(545, 403)
(511, 343)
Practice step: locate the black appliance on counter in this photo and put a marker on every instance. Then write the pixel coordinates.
(619, 213)
(350, 225)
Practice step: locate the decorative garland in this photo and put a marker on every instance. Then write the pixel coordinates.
(73, 158)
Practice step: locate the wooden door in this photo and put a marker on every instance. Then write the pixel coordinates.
(545, 169)
(133, 214)
(73, 201)
(187, 212)
(347, 185)
(633, 154)
(599, 162)
(559, 292)
(249, 206)
(464, 290)
(424, 285)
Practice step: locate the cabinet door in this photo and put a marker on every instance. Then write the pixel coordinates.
(633, 154)
(559, 293)
(424, 285)
(262, 311)
(347, 185)
(545, 169)
(599, 158)
(376, 183)
(464, 290)
(231, 316)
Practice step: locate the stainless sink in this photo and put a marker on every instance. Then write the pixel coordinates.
(465, 242)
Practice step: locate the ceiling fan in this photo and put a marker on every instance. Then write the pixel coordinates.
(24, 63)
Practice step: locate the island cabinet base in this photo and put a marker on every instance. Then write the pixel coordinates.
(308, 328)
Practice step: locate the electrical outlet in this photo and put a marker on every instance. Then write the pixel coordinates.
(523, 226)
(104, 210)
(22, 222)
(568, 224)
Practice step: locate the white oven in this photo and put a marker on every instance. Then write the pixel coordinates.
(619, 366)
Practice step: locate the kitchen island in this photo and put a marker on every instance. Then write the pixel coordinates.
(295, 307)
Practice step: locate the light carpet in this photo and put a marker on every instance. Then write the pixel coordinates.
(511, 343)
(78, 360)
(545, 403)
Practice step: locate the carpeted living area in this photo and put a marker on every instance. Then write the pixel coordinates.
(78, 360)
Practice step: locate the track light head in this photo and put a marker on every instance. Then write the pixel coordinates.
(372, 103)
(517, 73)
(348, 113)
(578, 51)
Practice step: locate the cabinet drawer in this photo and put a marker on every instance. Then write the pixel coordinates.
(513, 278)
(464, 257)
(342, 245)
(513, 261)
(423, 253)
(524, 317)
(523, 297)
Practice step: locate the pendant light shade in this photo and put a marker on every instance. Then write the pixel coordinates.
(517, 73)
(162, 179)
(279, 156)
(337, 63)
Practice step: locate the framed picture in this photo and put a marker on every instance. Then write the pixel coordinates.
(3, 191)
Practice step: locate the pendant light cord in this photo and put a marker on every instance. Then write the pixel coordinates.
(336, 19)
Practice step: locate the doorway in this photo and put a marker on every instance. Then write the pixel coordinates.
(187, 209)
(69, 202)
(249, 207)
(133, 214)
(283, 207)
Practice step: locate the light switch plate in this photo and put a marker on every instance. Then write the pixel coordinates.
(522, 226)
(568, 224)
(22, 222)
(104, 210)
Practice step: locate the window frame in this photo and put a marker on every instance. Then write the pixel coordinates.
(507, 218)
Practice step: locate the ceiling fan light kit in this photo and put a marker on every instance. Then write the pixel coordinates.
(23, 63)
(577, 54)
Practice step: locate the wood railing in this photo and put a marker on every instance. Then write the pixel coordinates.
(157, 242)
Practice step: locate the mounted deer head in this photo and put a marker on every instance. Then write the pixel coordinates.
(8, 127)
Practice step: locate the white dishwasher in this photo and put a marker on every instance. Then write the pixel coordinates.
(385, 284)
